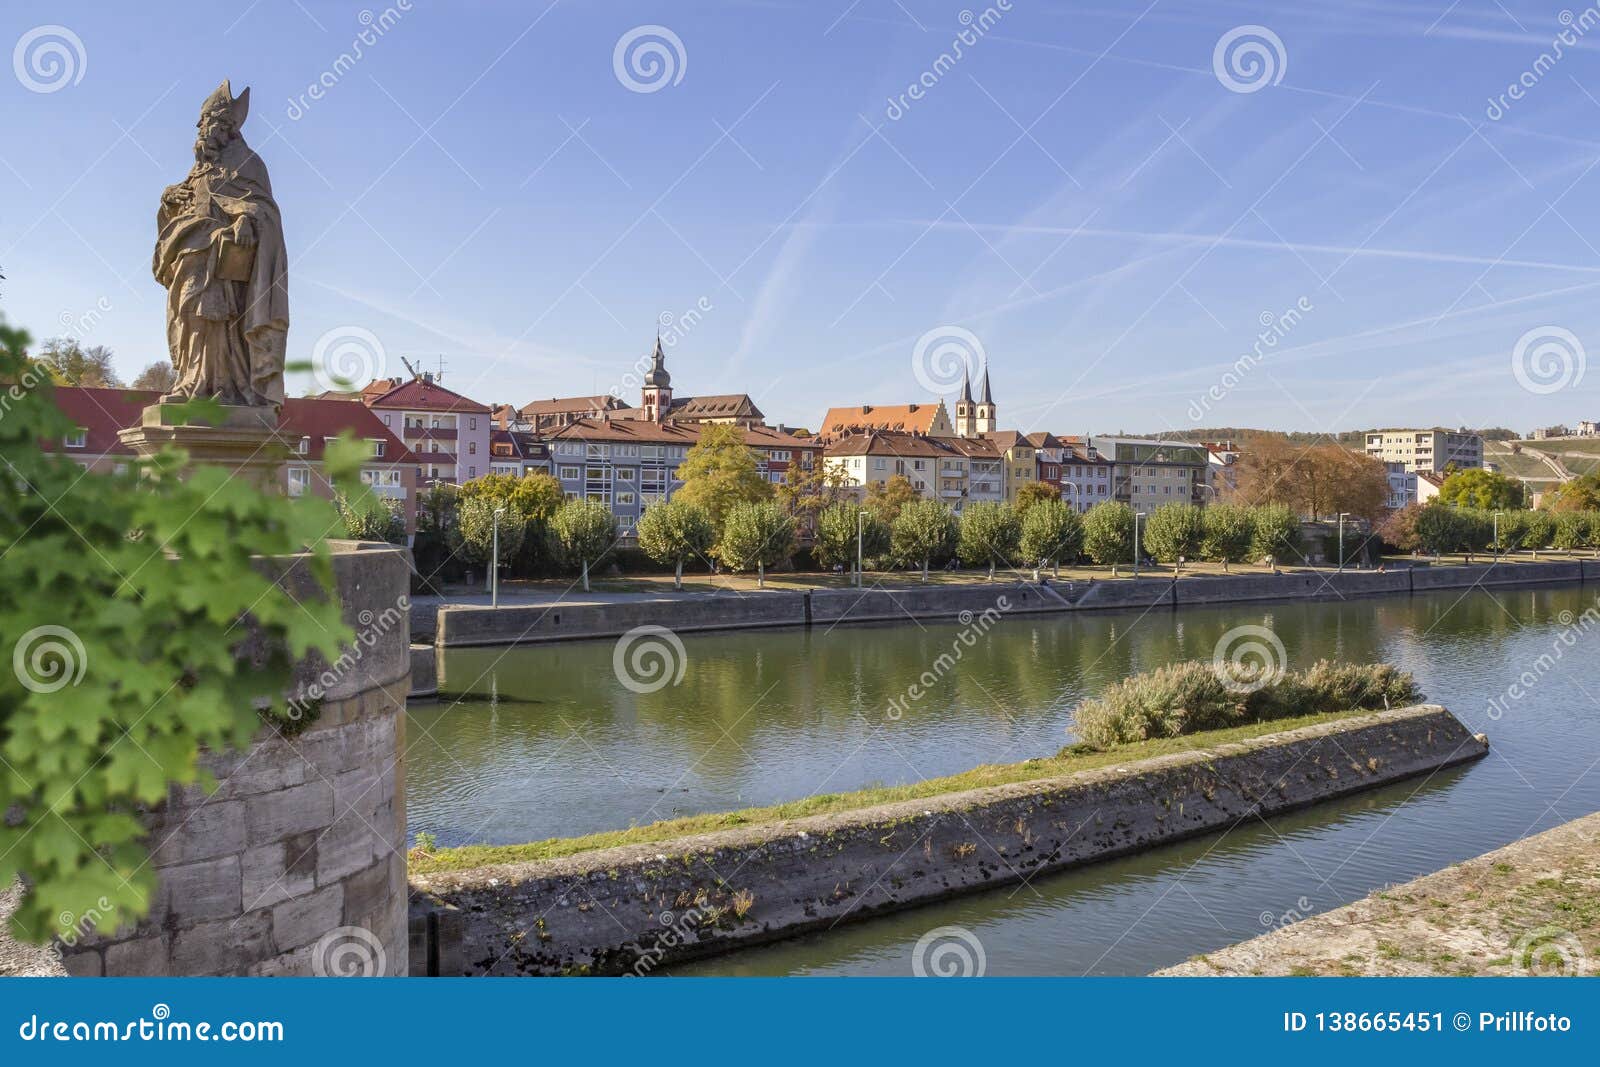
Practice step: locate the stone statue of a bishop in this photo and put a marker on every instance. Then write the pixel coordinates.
(220, 254)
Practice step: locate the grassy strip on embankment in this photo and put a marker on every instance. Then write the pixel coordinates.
(1069, 760)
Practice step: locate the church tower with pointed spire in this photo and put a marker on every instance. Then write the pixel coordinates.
(657, 392)
(983, 418)
(964, 417)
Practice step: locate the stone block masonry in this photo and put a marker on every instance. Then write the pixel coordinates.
(295, 865)
(636, 908)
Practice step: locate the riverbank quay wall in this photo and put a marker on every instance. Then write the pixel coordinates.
(295, 864)
(1519, 910)
(467, 625)
(633, 909)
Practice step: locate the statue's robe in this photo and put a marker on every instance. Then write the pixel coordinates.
(226, 337)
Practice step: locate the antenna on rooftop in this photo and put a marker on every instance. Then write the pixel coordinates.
(415, 374)
(439, 377)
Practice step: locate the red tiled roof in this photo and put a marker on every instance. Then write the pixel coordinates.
(670, 433)
(319, 419)
(422, 395)
(907, 418)
(570, 404)
(891, 443)
(104, 412)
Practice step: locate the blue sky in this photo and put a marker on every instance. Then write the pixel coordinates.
(1080, 189)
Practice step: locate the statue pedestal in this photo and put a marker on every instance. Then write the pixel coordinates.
(247, 442)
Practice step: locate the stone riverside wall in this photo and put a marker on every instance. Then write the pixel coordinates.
(460, 625)
(1506, 912)
(639, 907)
(295, 865)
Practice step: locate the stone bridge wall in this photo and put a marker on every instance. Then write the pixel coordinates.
(295, 865)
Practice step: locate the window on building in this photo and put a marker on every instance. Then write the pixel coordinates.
(625, 498)
(299, 478)
(76, 439)
(472, 448)
(472, 423)
(377, 448)
(625, 474)
(569, 474)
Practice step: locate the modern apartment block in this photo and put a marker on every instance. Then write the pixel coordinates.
(1085, 478)
(628, 464)
(1426, 450)
(1403, 485)
(1148, 473)
(448, 432)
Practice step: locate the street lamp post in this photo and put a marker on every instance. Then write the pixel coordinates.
(1497, 536)
(1137, 515)
(494, 566)
(860, 515)
(1342, 516)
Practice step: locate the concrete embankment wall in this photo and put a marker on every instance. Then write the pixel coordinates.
(471, 625)
(636, 908)
(833, 606)
(476, 625)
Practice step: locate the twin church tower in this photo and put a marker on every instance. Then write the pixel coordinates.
(975, 419)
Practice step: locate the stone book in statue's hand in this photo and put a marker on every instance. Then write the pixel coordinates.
(234, 260)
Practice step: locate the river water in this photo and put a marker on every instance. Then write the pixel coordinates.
(555, 741)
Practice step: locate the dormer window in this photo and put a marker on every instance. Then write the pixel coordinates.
(78, 438)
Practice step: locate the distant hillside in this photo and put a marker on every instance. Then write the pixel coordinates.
(1349, 438)
(1352, 438)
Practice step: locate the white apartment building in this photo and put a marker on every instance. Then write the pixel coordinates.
(1426, 450)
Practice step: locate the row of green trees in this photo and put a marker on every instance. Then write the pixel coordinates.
(539, 532)
(1047, 532)
(1438, 528)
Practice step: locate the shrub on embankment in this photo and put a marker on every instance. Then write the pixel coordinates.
(1187, 698)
